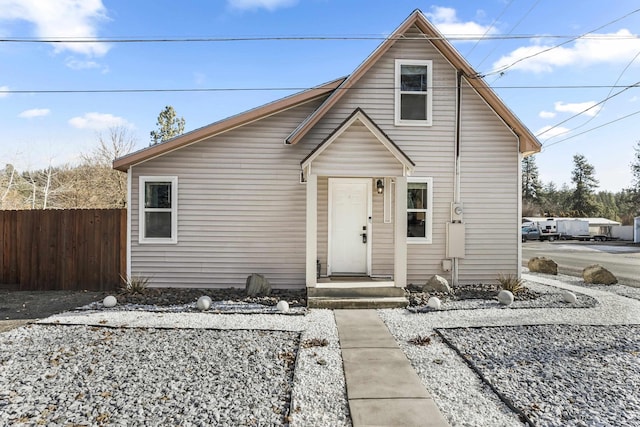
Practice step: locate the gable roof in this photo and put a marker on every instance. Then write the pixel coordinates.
(123, 163)
(359, 115)
(528, 142)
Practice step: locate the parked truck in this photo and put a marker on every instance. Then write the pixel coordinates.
(554, 229)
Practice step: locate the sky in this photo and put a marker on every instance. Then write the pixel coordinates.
(568, 69)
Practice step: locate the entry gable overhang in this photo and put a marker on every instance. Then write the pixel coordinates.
(359, 115)
(529, 144)
(123, 163)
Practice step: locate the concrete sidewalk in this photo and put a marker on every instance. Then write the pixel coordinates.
(382, 387)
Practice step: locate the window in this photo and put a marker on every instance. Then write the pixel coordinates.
(419, 209)
(158, 209)
(413, 93)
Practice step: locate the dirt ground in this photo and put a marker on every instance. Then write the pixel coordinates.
(19, 307)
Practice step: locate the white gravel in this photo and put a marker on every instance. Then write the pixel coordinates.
(466, 401)
(140, 368)
(190, 368)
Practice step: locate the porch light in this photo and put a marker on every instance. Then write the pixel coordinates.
(380, 186)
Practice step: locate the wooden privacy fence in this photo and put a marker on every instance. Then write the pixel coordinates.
(74, 249)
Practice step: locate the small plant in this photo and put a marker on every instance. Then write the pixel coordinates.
(511, 283)
(135, 285)
(420, 340)
(315, 342)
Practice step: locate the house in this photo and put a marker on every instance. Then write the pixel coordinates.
(407, 168)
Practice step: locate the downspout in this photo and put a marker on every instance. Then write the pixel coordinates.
(456, 183)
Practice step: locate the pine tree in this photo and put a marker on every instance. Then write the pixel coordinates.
(531, 186)
(583, 202)
(169, 126)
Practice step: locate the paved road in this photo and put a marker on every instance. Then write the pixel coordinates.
(621, 259)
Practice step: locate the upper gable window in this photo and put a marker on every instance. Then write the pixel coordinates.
(413, 93)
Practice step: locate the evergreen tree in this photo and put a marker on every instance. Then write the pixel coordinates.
(583, 202)
(635, 171)
(531, 186)
(169, 126)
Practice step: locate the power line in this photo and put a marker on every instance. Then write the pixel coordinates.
(590, 107)
(453, 37)
(266, 89)
(489, 28)
(592, 129)
(583, 36)
(510, 31)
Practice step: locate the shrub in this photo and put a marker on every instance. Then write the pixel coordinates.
(135, 285)
(511, 283)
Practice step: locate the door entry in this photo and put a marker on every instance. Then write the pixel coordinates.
(349, 226)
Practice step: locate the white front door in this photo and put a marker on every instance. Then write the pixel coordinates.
(349, 226)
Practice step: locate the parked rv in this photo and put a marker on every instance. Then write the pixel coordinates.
(555, 229)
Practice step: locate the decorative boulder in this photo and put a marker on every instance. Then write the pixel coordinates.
(203, 303)
(257, 285)
(569, 297)
(109, 301)
(598, 275)
(282, 306)
(505, 297)
(543, 265)
(437, 284)
(434, 302)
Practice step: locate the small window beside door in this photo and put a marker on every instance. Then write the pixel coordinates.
(419, 209)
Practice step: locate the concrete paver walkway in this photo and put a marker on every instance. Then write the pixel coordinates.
(383, 389)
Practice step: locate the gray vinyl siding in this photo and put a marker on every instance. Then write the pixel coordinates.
(241, 209)
(489, 165)
(490, 191)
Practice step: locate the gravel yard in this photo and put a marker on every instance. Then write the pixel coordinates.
(562, 364)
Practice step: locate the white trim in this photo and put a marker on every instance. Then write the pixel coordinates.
(369, 190)
(387, 197)
(129, 237)
(311, 230)
(398, 93)
(174, 210)
(381, 137)
(428, 212)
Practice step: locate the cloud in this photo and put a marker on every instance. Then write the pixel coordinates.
(546, 114)
(3, 91)
(578, 107)
(544, 133)
(446, 20)
(608, 48)
(98, 121)
(61, 19)
(35, 112)
(270, 5)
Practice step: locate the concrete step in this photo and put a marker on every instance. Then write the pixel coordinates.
(353, 292)
(357, 303)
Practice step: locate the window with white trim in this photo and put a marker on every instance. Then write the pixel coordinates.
(413, 92)
(419, 209)
(158, 209)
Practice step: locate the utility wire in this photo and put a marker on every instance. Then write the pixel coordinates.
(592, 129)
(636, 84)
(603, 102)
(266, 89)
(453, 37)
(489, 28)
(506, 67)
(510, 31)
